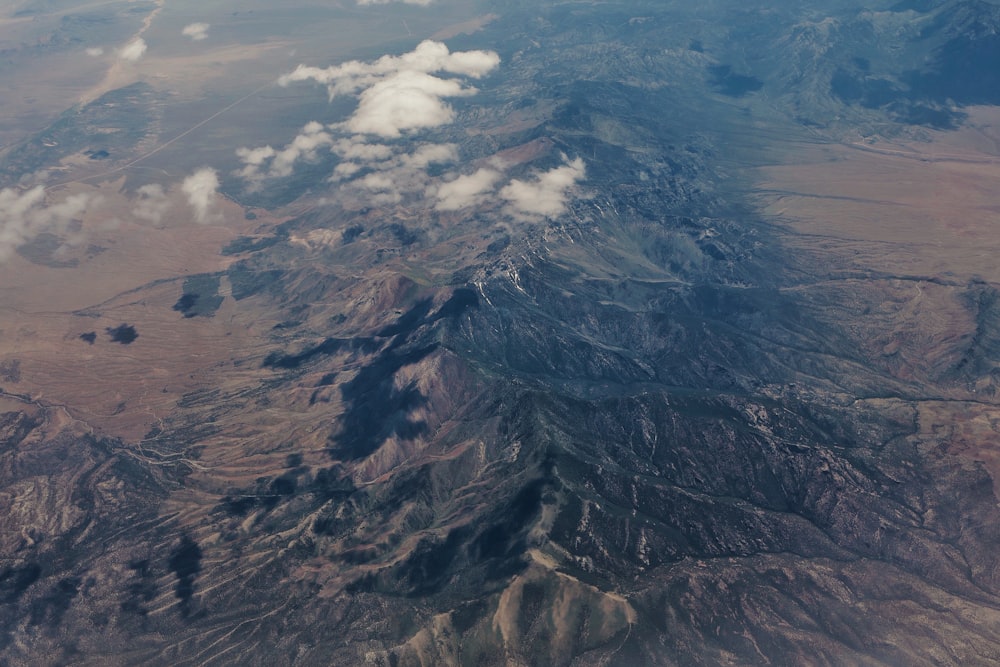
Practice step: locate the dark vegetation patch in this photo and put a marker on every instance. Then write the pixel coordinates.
(964, 69)
(50, 609)
(920, 114)
(904, 106)
(858, 88)
(279, 488)
(89, 337)
(497, 246)
(376, 409)
(238, 505)
(505, 538)
(329, 484)
(98, 155)
(468, 614)
(141, 590)
(360, 555)
(403, 235)
(186, 303)
(325, 381)
(248, 280)
(14, 581)
(712, 251)
(462, 299)
(10, 370)
(351, 234)
(426, 570)
(333, 484)
(185, 563)
(123, 333)
(731, 84)
(366, 583)
(409, 321)
(533, 596)
(329, 526)
(200, 296)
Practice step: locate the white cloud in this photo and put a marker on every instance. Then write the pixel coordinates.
(133, 51)
(303, 146)
(267, 162)
(399, 93)
(389, 180)
(405, 101)
(467, 190)
(201, 189)
(95, 52)
(355, 148)
(196, 31)
(545, 196)
(345, 170)
(396, 95)
(254, 159)
(151, 204)
(429, 57)
(429, 154)
(379, 188)
(24, 215)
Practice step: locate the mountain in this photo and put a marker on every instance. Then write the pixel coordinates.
(664, 335)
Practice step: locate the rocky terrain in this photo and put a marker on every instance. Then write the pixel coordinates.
(734, 402)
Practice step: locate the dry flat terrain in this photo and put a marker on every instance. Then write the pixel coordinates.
(123, 273)
(925, 207)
